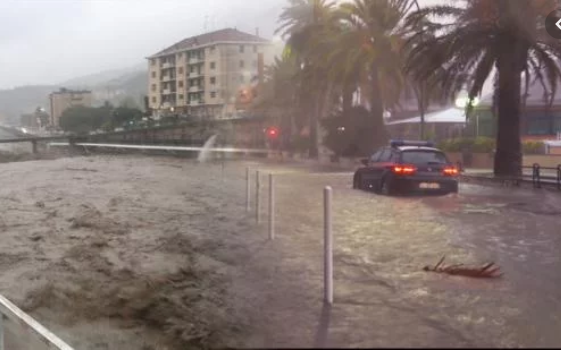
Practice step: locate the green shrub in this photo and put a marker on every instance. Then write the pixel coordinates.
(485, 145)
(477, 145)
(533, 147)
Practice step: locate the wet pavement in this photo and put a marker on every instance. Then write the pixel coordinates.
(383, 298)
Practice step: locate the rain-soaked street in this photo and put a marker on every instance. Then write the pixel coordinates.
(382, 296)
(85, 236)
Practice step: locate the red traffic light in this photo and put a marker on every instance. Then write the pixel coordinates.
(272, 132)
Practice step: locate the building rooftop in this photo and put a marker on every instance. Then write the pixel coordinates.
(70, 91)
(223, 35)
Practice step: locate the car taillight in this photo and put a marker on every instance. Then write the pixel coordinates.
(451, 171)
(404, 169)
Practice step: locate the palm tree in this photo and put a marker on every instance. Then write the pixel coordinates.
(475, 37)
(303, 22)
(278, 96)
(367, 48)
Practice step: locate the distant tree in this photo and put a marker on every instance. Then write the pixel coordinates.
(122, 116)
(82, 120)
(129, 102)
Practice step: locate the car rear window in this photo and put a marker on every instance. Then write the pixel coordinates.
(423, 157)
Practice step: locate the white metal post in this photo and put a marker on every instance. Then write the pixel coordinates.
(222, 169)
(2, 332)
(247, 190)
(271, 207)
(257, 192)
(328, 246)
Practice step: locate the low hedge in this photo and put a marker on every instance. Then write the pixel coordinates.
(485, 145)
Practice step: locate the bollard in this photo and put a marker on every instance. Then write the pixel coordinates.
(257, 204)
(2, 332)
(247, 190)
(271, 207)
(328, 247)
(222, 169)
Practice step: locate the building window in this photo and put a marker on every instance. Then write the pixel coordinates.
(153, 87)
(180, 70)
(180, 97)
(180, 84)
(242, 64)
(213, 80)
(212, 49)
(212, 65)
(153, 74)
(213, 94)
(539, 126)
(179, 55)
(154, 100)
(242, 49)
(557, 125)
(153, 62)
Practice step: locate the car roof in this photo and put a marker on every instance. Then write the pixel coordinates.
(418, 148)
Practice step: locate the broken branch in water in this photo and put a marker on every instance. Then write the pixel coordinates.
(489, 270)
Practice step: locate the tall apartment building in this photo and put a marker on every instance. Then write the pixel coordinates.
(207, 75)
(64, 98)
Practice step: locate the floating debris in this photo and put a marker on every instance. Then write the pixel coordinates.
(489, 270)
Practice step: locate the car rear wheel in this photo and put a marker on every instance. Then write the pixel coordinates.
(385, 188)
(357, 182)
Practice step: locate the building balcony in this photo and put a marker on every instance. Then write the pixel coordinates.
(196, 60)
(196, 88)
(167, 105)
(196, 102)
(168, 91)
(168, 65)
(195, 75)
(166, 78)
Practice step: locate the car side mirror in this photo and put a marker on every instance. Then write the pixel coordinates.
(364, 161)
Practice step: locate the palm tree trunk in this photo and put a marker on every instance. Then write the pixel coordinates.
(508, 156)
(347, 96)
(313, 151)
(419, 94)
(376, 134)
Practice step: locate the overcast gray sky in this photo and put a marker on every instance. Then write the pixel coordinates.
(50, 41)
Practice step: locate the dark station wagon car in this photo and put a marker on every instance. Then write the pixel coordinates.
(407, 167)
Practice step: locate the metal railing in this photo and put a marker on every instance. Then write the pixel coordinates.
(538, 177)
(10, 311)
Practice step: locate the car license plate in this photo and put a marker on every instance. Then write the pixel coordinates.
(429, 185)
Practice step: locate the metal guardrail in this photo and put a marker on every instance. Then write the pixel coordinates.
(13, 313)
(162, 148)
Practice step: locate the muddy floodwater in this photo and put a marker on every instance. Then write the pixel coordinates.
(132, 252)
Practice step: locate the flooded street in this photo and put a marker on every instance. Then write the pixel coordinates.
(382, 296)
(121, 252)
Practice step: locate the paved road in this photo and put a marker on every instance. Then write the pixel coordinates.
(382, 296)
